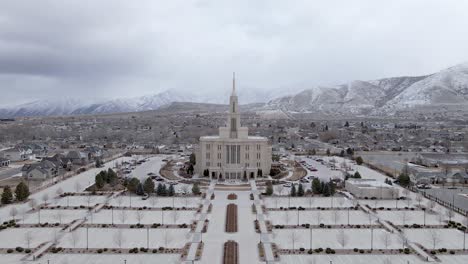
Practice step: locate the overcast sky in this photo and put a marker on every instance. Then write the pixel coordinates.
(96, 48)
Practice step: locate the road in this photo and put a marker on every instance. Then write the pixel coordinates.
(5, 174)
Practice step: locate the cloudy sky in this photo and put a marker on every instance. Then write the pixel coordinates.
(101, 49)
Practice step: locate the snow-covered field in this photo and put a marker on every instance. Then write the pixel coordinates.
(331, 217)
(155, 201)
(109, 258)
(53, 216)
(405, 217)
(19, 237)
(352, 259)
(146, 217)
(306, 202)
(353, 238)
(442, 238)
(89, 200)
(125, 238)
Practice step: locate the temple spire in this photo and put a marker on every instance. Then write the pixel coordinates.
(233, 83)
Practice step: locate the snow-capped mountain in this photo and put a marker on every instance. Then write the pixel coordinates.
(136, 104)
(448, 87)
(389, 95)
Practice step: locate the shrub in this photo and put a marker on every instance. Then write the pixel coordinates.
(19, 249)
(10, 250)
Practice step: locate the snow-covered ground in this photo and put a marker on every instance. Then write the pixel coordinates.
(146, 217)
(306, 202)
(18, 237)
(353, 238)
(328, 217)
(108, 258)
(443, 238)
(53, 216)
(127, 238)
(155, 201)
(353, 259)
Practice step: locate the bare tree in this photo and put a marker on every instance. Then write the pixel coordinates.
(402, 238)
(386, 239)
(119, 238)
(175, 216)
(431, 205)
(404, 217)
(342, 238)
(58, 215)
(75, 238)
(59, 192)
(28, 237)
(120, 200)
(434, 237)
(123, 216)
(89, 199)
(167, 238)
(139, 215)
(450, 213)
(13, 213)
(45, 198)
(336, 216)
(419, 198)
(294, 237)
(77, 187)
(287, 217)
(280, 189)
(387, 261)
(319, 217)
(32, 204)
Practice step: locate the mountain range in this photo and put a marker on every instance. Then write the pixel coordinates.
(448, 87)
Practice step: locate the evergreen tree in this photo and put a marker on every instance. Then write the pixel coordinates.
(171, 191)
(159, 189)
(316, 187)
(300, 190)
(99, 180)
(359, 160)
(342, 153)
(196, 189)
(328, 152)
(7, 196)
(22, 192)
(293, 191)
(331, 187)
(404, 180)
(350, 151)
(140, 190)
(346, 124)
(148, 186)
(163, 190)
(98, 163)
(111, 177)
(193, 159)
(133, 185)
(326, 190)
(269, 188)
(357, 175)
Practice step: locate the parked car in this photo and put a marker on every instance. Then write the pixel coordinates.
(288, 184)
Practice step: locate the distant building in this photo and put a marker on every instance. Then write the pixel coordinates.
(233, 154)
(18, 154)
(4, 162)
(370, 188)
(40, 171)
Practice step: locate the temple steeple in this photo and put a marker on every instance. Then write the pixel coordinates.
(234, 83)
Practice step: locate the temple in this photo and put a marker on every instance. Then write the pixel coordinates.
(233, 154)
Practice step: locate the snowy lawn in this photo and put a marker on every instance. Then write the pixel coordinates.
(438, 238)
(333, 238)
(411, 217)
(307, 202)
(19, 237)
(339, 217)
(125, 238)
(352, 259)
(89, 200)
(53, 216)
(145, 217)
(155, 201)
(108, 258)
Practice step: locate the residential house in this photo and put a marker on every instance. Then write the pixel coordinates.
(78, 157)
(40, 171)
(4, 162)
(18, 154)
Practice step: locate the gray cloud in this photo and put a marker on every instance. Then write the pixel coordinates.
(51, 49)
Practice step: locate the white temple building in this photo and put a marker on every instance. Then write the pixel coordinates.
(233, 154)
